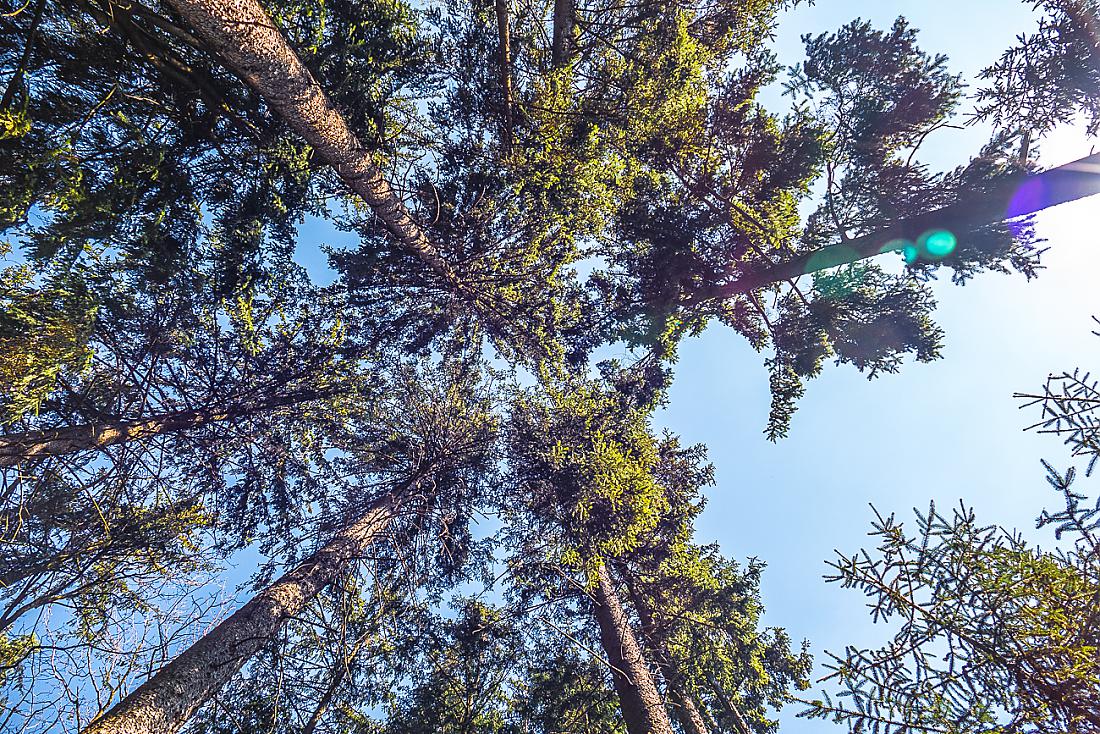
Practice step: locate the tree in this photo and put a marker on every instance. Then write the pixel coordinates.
(994, 633)
(584, 459)
(699, 613)
(178, 390)
(328, 666)
(1069, 405)
(257, 51)
(194, 430)
(1049, 75)
(435, 462)
(607, 517)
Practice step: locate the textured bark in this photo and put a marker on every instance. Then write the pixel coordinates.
(164, 703)
(641, 704)
(561, 52)
(683, 706)
(242, 34)
(16, 448)
(1016, 197)
(505, 49)
(731, 709)
(19, 447)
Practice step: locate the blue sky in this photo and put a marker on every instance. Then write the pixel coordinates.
(942, 431)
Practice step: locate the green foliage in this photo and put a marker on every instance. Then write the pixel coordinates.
(995, 635)
(1050, 75)
(700, 613)
(858, 314)
(462, 683)
(13, 651)
(1069, 405)
(45, 329)
(564, 691)
(584, 457)
(611, 195)
(332, 666)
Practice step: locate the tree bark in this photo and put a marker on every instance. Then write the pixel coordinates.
(16, 448)
(164, 703)
(29, 445)
(561, 52)
(1016, 197)
(505, 35)
(731, 709)
(641, 704)
(684, 709)
(241, 33)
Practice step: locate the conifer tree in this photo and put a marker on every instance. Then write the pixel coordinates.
(613, 507)
(993, 634)
(174, 389)
(583, 459)
(427, 460)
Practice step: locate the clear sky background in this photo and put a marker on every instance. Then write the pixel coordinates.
(940, 431)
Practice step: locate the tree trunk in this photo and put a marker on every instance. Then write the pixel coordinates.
(731, 709)
(684, 709)
(28, 49)
(561, 52)
(164, 703)
(505, 35)
(1016, 197)
(641, 704)
(333, 686)
(241, 33)
(29, 445)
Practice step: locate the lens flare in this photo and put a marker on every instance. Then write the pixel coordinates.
(898, 245)
(937, 244)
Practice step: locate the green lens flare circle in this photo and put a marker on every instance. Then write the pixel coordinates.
(937, 244)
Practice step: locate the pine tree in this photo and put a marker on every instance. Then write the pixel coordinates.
(175, 389)
(994, 633)
(431, 462)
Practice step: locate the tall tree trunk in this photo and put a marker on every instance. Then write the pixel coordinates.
(29, 445)
(505, 35)
(242, 34)
(731, 708)
(1017, 196)
(337, 678)
(642, 707)
(564, 41)
(164, 703)
(683, 705)
(28, 49)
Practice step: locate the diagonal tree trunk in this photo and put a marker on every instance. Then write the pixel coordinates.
(1015, 197)
(19, 447)
(16, 448)
(241, 33)
(164, 703)
(336, 679)
(641, 704)
(732, 711)
(684, 709)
